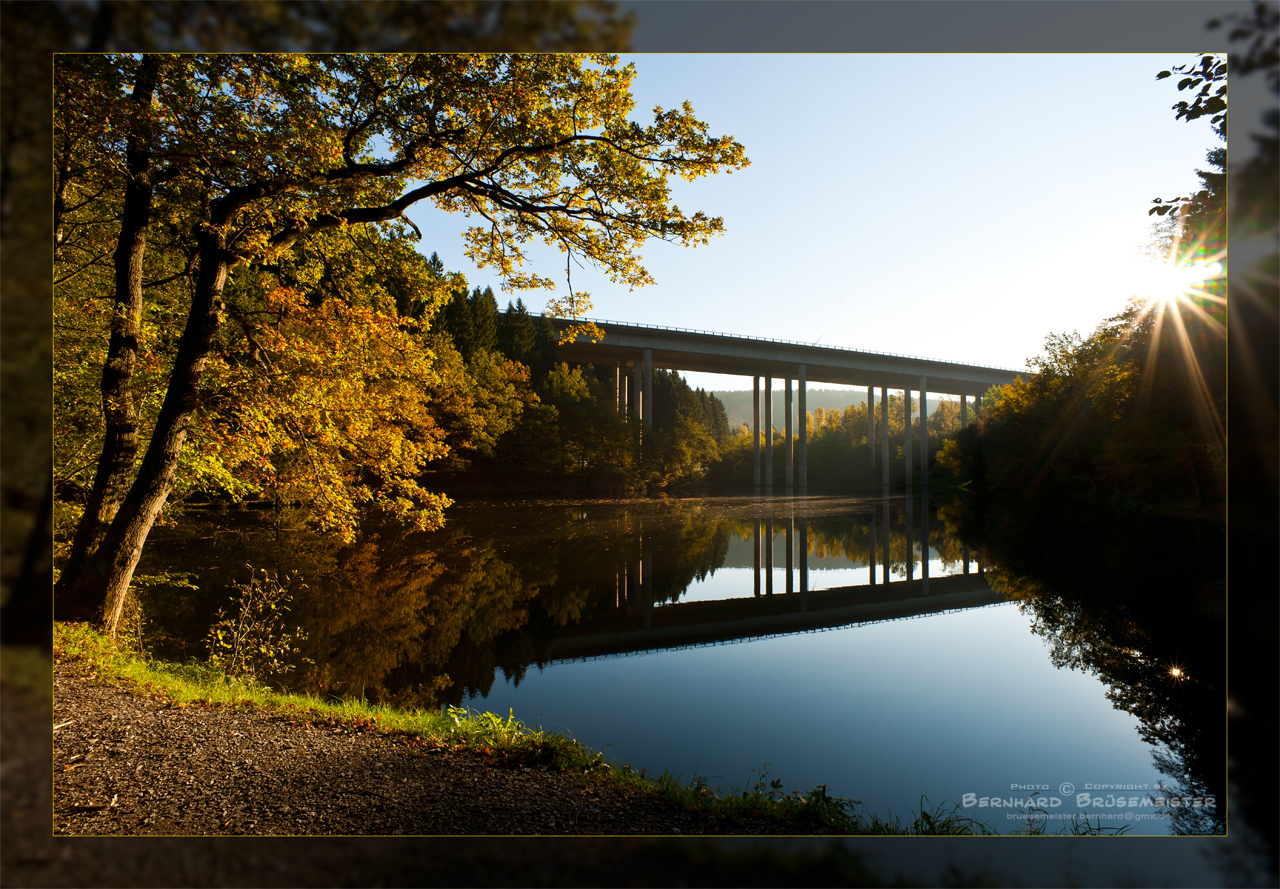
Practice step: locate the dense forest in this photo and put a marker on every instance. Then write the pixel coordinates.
(523, 421)
(545, 426)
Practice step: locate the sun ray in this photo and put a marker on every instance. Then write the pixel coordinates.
(1148, 378)
(1202, 397)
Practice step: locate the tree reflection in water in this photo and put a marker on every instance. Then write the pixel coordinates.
(1141, 603)
(423, 619)
(418, 619)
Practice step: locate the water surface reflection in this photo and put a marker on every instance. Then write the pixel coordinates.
(712, 634)
(390, 614)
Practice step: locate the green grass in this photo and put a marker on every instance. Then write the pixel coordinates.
(92, 655)
(195, 683)
(816, 810)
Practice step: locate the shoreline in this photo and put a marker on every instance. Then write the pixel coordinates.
(138, 750)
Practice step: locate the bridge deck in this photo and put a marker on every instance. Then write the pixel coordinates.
(704, 351)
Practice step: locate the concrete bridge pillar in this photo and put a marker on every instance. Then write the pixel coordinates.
(648, 389)
(634, 396)
(884, 438)
(977, 405)
(884, 530)
(924, 434)
(924, 542)
(647, 580)
(791, 524)
(755, 437)
(906, 436)
(871, 434)
(804, 434)
(768, 435)
(964, 411)
(804, 563)
(620, 378)
(788, 449)
(871, 539)
(755, 549)
(768, 553)
(632, 585)
(911, 537)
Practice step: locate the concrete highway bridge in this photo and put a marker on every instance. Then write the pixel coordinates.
(635, 350)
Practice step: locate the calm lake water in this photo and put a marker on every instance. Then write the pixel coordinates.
(850, 642)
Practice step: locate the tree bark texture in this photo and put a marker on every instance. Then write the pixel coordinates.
(120, 438)
(104, 583)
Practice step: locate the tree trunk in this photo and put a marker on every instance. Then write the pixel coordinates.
(98, 594)
(120, 440)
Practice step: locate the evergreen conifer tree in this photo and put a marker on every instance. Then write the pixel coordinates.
(516, 336)
(712, 415)
(484, 320)
(458, 323)
(545, 353)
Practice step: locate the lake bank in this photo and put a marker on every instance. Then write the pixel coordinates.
(132, 759)
(723, 675)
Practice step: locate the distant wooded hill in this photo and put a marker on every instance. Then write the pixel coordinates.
(737, 404)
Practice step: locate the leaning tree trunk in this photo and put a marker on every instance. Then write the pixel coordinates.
(120, 440)
(98, 594)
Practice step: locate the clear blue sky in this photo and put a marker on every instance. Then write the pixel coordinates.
(951, 206)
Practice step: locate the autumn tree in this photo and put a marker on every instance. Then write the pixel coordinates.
(34, 30)
(263, 157)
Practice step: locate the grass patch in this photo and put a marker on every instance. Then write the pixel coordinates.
(814, 811)
(195, 683)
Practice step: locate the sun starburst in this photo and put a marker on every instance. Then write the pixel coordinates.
(1184, 289)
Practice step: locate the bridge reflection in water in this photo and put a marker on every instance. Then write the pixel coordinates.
(634, 625)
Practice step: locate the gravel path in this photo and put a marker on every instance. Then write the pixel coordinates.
(129, 765)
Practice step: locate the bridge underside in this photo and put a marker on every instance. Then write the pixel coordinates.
(642, 348)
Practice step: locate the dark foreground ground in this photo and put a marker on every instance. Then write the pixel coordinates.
(138, 793)
(130, 765)
(119, 765)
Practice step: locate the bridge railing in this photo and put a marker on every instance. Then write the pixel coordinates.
(762, 339)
